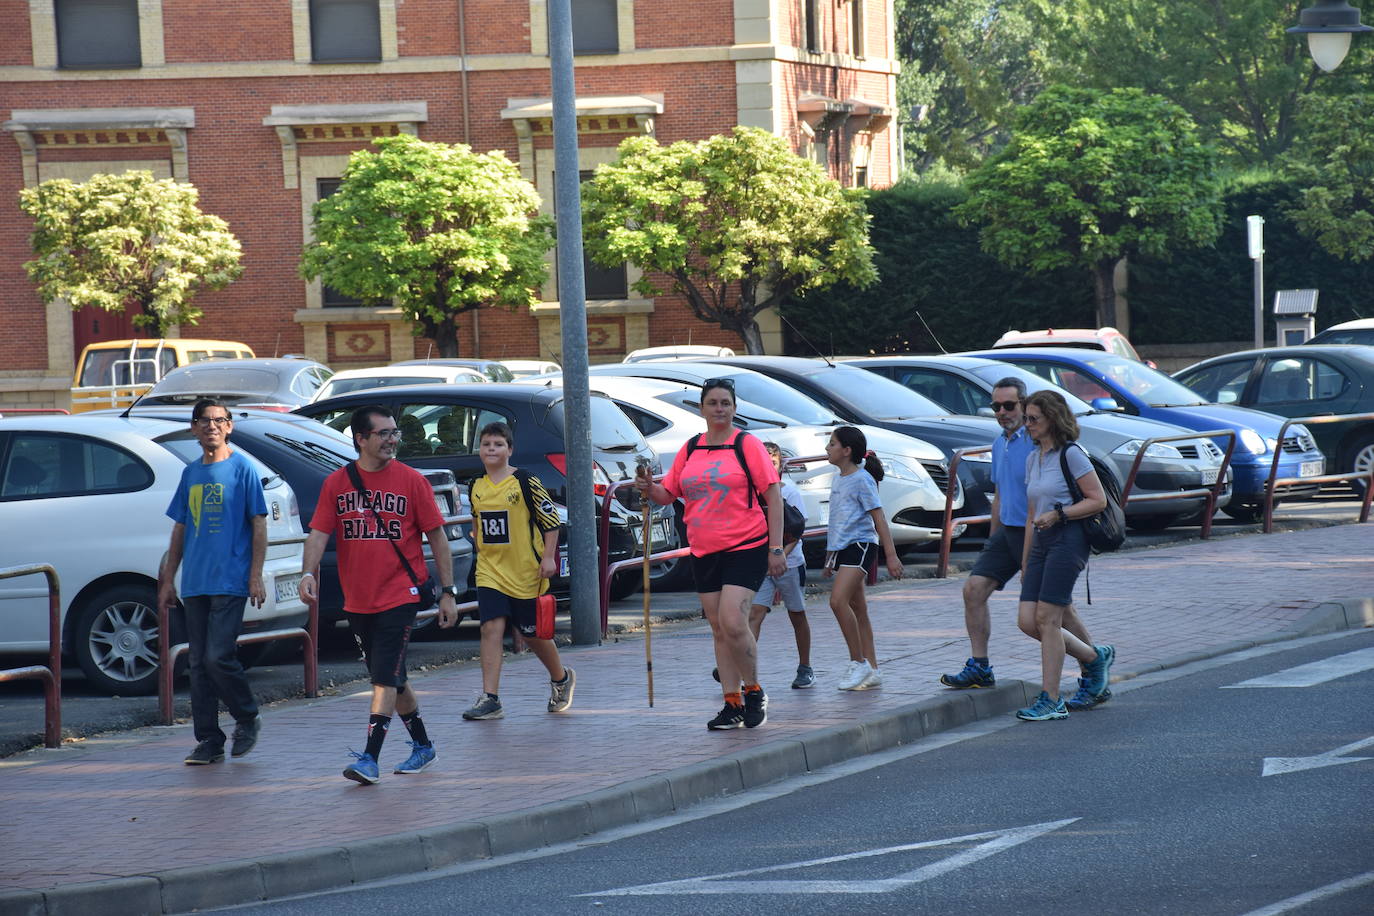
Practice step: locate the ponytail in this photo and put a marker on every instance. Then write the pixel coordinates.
(853, 439)
(874, 467)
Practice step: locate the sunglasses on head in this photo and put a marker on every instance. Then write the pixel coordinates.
(727, 384)
(1005, 405)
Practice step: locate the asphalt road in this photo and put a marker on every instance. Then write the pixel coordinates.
(86, 713)
(1185, 794)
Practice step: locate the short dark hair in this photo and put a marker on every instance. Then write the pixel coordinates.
(1013, 382)
(361, 423)
(726, 384)
(199, 410)
(497, 428)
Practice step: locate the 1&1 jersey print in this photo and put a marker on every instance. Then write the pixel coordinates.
(508, 549)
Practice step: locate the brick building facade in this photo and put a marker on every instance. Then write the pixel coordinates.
(259, 103)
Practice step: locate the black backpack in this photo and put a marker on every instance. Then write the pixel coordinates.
(793, 522)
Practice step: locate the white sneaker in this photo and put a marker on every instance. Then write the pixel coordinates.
(874, 679)
(855, 675)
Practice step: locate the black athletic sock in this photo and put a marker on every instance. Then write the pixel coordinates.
(416, 727)
(981, 661)
(376, 733)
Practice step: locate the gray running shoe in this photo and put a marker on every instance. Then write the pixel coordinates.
(805, 678)
(560, 695)
(486, 707)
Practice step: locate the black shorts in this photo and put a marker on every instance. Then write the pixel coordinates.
(383, 638)
(493, 603)
(745, 568)
(863, 554)
(1001, 555)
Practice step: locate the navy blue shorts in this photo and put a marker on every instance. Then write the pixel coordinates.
(492, 603)
(1000, 558)
(1057, 556)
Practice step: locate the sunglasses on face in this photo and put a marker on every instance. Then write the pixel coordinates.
(1032, 419)
(1008, 406)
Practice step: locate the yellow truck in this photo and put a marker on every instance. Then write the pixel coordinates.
(114, 373)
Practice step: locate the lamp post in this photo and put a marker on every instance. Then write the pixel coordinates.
(1328, 25)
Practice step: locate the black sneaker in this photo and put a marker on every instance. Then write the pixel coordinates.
(730, 716)
(246, 736)
(755, 708)
(205, 752)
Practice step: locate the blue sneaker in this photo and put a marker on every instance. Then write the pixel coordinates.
(973, 675)
(364, 772)
(1043, 709)
(1084, 698)
(421, 756)
(1099, 673)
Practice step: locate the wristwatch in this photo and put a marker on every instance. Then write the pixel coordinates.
(450, 590)
(775, 551)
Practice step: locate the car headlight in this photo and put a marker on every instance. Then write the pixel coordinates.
(1253, 441)
(1156, 449)
(980, 457)
(901, 470)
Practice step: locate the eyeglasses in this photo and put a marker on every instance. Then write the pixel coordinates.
(212, 421)
(1032, 418)
(386, 434)
(727, 384)
(998, 406)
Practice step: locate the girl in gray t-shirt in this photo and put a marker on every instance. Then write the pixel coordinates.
(1055, 553)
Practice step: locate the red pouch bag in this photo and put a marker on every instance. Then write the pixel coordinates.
(544, 607)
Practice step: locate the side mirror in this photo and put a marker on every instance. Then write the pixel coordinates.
(987, 412)
(1105, 404)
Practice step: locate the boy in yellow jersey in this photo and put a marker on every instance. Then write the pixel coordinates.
(513, 567)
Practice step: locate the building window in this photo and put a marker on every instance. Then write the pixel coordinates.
(861, 176)
(329, 296)
(97, 34)
(600, 282)
(345, 30)
(811, 24)
(595, 27)
(856, 27)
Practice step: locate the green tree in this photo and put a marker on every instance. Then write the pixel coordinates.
(1333, 164)
(434, 228)
(1228, 63)
(1090, 177)
(737, 222)
(130, 240)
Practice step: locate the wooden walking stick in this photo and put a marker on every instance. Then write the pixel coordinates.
(648, 626)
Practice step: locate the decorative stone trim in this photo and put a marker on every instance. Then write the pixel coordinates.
(603, 114)
(69, 128)
(296, 124)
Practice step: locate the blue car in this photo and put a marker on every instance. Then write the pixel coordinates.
(1112, 383)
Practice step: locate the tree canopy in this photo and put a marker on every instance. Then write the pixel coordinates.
(434, 228)
(1090, 177)
(117, 241)
(736, 222)
(1333, 164)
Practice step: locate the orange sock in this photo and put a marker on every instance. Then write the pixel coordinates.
(734, 699)
(750, 688)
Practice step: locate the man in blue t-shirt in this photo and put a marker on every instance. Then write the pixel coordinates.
(220, 531)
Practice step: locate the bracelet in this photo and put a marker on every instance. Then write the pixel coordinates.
(1063, 519)
(310, 574)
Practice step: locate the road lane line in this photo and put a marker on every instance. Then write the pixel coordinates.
(1313, 673)
(1312, 896)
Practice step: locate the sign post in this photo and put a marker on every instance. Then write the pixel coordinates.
(1254, 226)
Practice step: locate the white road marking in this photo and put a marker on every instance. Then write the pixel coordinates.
(992, 842)
(1309, 675)
(1312, 896)
(1274, 766)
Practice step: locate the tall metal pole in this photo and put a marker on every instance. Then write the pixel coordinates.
(1254, 240)
(572, 313)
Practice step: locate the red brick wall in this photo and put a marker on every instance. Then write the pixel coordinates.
(16, 49)
(673, 25)
(198, 31)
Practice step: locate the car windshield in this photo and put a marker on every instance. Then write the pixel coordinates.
(612, 431)
(185, 446)
(1139, 380)
(881, 397)
(992, 373)
(776, 396)
(1363, 336)
(346, 385)
(215, 379)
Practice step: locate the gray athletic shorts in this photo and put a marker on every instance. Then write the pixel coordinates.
(788, 585)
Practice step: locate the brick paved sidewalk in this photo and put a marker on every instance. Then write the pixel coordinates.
(131, 807)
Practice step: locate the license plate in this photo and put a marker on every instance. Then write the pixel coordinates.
(662, 532)
(562, 562)
(1312, 468)
(288, 587)
(1209, 476)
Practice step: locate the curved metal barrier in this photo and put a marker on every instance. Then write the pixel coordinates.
(952, 487)
(1274, 481)
(1212, 491)
(51, 673)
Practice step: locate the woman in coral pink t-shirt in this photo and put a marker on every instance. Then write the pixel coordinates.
(735, 534)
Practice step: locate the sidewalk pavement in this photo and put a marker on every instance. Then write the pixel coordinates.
(122, 826)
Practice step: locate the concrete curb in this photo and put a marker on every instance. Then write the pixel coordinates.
(247, 881)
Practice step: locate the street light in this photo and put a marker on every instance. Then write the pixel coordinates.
(1328, 25)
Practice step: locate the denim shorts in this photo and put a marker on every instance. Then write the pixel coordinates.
(1000, 558)
(1057, 556)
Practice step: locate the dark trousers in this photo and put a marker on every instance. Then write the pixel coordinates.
(213, 623)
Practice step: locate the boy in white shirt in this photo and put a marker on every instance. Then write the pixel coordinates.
(788, 586)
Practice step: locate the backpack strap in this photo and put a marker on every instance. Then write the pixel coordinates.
(522, 477)
(738, 448)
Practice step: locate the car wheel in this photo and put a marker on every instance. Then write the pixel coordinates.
(1246, 513)
(1360, 457)
(1150, 522)
(116, 640)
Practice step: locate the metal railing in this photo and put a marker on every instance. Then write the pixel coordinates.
(1274, 481)
(1211, 491)
(947, 528)
(51, 673)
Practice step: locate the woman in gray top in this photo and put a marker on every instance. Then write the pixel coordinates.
(1056, 551)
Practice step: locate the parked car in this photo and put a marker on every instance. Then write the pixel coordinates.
(914, 466)
(1108, 340)
(493, 369)
(304, 453)
(113, 373)
(279, 384)
(1301, 381)
(1360, 331)
(1114, 383)
(681, 351)
(441, 425)
(88, 495)
(524, 368)
(964, 385)
(350, 380)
